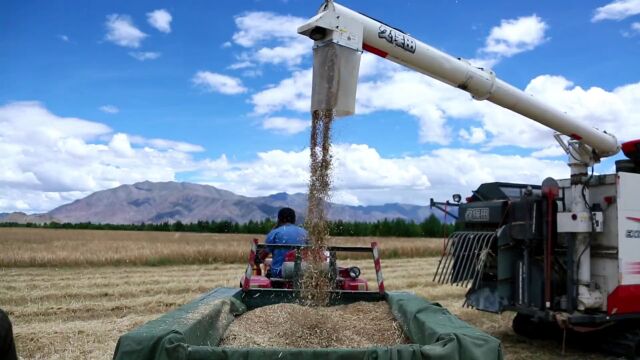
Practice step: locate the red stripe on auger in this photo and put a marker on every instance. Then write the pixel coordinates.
(378, 267)
(633, 219)
(374, 50)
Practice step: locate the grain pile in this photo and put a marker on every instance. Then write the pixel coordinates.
(357, 325)
(315, 285)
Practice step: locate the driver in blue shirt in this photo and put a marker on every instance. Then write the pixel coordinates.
(284, 233)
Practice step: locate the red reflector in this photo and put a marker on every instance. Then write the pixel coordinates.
(631, 149)
(576, 137)
(609, 200)
(374, 50)
(469, 199)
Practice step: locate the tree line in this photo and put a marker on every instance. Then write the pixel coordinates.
(430, 227)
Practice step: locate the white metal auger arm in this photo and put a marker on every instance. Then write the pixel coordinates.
(341, 34)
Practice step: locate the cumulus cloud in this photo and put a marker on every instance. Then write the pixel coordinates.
(109, 109)
(121, 31)
(363, 176)
(214, 82)
(549, 152)
(145, 55)
(293, 93)
(285, 125)
(475, 135)
(160, 19)
(270, 39)
(165, 144)
(49, 159)
(617, 10)
(435, 104)
(511, 37)
(634, 30)
(258, 26)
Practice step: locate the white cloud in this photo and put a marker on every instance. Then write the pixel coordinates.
(363, 176)
(293, 93)
(241, 65)
(435, 104)
(617, 10)
(109, 109)
(145, 55)
(285, 125)
(549, 152)
(258, 26)
(270, 39)
(214, 82)
(160, 19)
(475, 136)
(634, 30)
(514, 36)
(49, 160)
(121, 31)
(64, 38)
(165, 144)
(121, 146)
(290, 54)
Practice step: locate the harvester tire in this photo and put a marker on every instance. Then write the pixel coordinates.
(622, 340)
(524, 325)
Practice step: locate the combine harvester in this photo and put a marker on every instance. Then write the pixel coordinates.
(565, 253)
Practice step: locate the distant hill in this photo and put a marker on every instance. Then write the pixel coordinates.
(22, 218)
(157, 202)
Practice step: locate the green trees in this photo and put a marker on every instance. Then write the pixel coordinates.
(429, 227)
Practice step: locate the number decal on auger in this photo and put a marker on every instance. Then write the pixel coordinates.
(397, 38)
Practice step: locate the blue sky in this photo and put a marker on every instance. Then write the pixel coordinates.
(98, 94)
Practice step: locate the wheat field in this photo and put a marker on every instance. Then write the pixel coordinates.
(78, 311)
(27, 247)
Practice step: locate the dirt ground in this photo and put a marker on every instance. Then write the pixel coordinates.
(79, 312)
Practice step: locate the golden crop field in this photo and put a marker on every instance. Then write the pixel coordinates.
(77, 306)
(24, 247)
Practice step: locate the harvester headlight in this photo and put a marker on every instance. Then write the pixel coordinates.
(457, 198)
(354, 272)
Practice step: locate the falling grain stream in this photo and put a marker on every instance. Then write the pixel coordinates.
(315, 285)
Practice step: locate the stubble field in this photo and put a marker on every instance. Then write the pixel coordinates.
(67, 301)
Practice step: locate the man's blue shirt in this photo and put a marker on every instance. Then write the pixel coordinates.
(287, 234)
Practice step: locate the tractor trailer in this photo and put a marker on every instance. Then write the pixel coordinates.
(563, 254)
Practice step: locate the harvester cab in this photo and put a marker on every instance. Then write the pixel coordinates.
(257, 275)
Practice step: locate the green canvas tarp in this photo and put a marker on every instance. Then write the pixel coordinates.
(193, 331)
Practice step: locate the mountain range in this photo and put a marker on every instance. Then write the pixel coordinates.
(157, 202)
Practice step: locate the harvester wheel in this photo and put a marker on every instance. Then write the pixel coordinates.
(622, 340)
(524, 325)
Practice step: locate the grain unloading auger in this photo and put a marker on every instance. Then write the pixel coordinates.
(564, 252)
